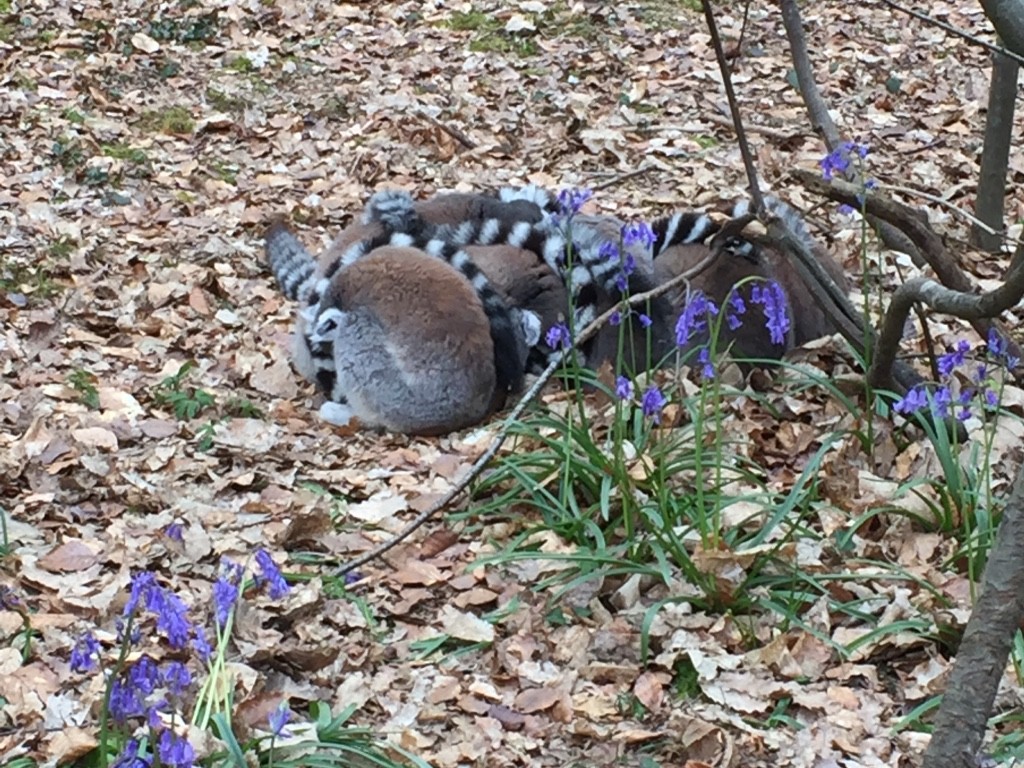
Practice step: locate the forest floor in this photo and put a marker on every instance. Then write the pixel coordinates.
(143, 147)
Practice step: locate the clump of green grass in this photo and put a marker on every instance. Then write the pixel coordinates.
(84, 383)
(176, 121)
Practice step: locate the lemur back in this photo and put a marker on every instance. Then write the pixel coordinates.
(411, 343)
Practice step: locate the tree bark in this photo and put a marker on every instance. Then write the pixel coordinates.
(1002, 97)
(1007, 16)
(981, 660)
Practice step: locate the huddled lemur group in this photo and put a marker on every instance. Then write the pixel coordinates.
(423, 316)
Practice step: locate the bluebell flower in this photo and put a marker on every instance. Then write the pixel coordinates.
(201, 645)
(734, 308)
(175, 531)
(623, 388)
(637, 233)
(352, 577)
(558, 336)
(845, 209)
(608, 251)
(571, 200)
(963, 400)
(772, 299)
(694, 317)
(837, 162)
(175, 751)
(278, 719)
(615, 318)
(278, 587)
(645, 321)
(175, 677)
(999, 349)
(142, 583)
(129, 757)
(991, 398)
(954, 358)
(125, 702)
(913, 401)
(85, 653)
(143, 676)
(652, 402)
(941, 401)
(704, 359)
(226, 591)
(171, 616)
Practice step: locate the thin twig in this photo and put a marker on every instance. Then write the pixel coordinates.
(947, 27)
(455, 133)
(944, 203)
(764, 130)
(622, 177)
(481, 463)
(734, 107)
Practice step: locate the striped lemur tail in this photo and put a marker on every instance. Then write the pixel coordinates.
(292, 265)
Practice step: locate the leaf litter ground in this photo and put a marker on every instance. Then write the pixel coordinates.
(144, 148)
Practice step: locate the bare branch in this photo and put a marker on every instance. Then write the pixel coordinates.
(734, 107)
(988, 6)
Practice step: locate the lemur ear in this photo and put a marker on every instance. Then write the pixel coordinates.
(327, 324)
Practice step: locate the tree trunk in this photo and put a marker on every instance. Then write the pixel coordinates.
(980, 661)
(1007, 16)
(1002, 97)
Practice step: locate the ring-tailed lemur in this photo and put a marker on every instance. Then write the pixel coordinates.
(400, 340)
(297, 273)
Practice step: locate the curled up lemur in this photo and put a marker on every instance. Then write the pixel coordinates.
(400, 338)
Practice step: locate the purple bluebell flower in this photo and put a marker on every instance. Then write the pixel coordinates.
(963, 400)
(269, 572)
(999, 349)
(694, 317)
(623, 388)
(637, 233)
(226, 590)
(845, 209)
(608, 251)
(126, 701)
(278, 719)
(645, 321)
(142, 583)
(175, 531)
(571, 200)
(704, 359)
(85, 653)
(201, 645)
(913, 401)
(773, 302)
(652, 403)
(954, 358)
(175, 677)
(941, 400)
(352, 577)
(171, 616)
(734, 308)
(143, 676)
(175, 751)
(615, 318)
(837, 162)
(558, 336)
(129, 757)
(991, 398)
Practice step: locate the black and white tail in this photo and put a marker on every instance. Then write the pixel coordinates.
(291, 263)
